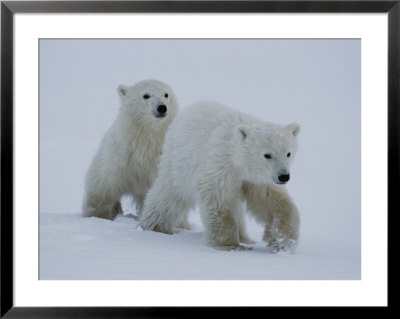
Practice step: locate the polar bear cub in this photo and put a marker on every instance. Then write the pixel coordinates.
(222, 159)
(127, 160)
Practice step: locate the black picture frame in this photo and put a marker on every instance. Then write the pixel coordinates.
(9, 8)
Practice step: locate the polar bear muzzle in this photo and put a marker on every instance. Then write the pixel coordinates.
(161, 110)
(284, 178)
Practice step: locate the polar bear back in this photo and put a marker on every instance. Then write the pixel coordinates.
(195, 137)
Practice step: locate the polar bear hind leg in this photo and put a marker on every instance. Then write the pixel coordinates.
(184, 223)
(165, 209)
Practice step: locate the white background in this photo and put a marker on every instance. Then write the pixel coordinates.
(289, 89)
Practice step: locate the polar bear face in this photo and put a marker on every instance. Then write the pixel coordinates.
(150, 101)
(269, 150)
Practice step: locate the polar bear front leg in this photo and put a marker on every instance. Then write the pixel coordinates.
(102, 206)
(285, 220)
(221, 225)
(273, 205)
(117, 209)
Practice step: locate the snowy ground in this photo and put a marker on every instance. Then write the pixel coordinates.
(74, 247)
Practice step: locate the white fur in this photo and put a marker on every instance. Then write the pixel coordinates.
(127, 159)
(214, 156)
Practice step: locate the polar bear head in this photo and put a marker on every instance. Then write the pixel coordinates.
(150, 102)
(267, 152)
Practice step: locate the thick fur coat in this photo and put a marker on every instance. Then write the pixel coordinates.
(225, 161)
(127, 160)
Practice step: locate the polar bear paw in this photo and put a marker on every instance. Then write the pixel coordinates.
(233, 247)
(283, 244)
(278, 241)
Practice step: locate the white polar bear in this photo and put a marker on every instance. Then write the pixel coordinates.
(127, 159)
(220, 158)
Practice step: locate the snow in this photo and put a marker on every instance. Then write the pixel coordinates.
(74, 247)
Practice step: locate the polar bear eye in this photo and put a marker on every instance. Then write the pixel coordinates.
(288, 154)
(166, 94)
(268, 156)
(146, 96)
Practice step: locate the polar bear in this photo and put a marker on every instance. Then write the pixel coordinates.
(127, 160)
(225, 161)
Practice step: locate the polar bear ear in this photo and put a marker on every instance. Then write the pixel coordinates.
(122, 90)
(244, 132)
(294, 128)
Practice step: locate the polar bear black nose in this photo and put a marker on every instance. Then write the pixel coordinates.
(284, 177)
(161, 108)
